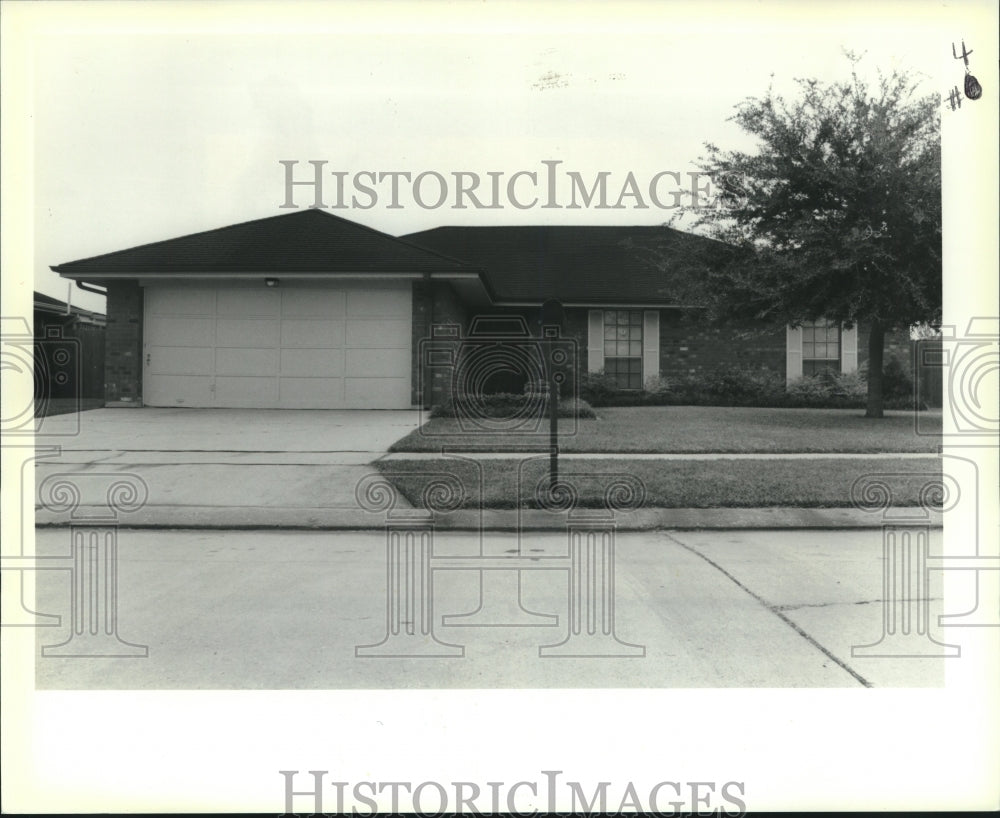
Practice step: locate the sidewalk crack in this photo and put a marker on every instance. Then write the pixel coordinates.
(777, 610)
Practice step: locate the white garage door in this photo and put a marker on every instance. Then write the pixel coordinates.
(339, 347)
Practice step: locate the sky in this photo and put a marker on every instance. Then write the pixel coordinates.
(146, 129)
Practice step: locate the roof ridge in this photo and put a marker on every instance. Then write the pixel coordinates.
(148, 244)
(348, 223)
(401, 240)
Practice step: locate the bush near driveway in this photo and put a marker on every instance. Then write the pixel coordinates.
(707, 429)
(668, 483)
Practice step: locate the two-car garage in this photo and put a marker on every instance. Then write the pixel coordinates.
(305, 310)
(288, 346)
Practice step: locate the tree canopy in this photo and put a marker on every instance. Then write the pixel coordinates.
(836, 216)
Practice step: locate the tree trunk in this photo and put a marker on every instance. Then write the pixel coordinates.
(876, 342)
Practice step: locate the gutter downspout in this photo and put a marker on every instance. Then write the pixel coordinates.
(91, 289)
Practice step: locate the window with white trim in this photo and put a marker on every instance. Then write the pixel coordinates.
(820, 347)
(623, 347)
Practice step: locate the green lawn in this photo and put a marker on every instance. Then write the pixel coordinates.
(668, 483)
(699, 429)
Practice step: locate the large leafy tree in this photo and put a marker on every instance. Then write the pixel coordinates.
(836, 215)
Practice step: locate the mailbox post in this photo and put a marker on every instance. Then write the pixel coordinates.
(552, 320)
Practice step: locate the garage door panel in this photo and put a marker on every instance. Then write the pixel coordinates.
(181, 301)
(245, 392)
(180, 360)
(311, 333)
(249, 303)
(332, 347)
(388, 303)
(312, 393)
(246, 332)
(312, 363)
(180, 390)
(313, 303)
(231, 361)
(377, 393)
(378, 334)
(174, 331)
(376, 363)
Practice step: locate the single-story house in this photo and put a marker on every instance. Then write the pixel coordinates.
(311, 310)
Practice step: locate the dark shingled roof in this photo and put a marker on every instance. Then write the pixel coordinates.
(582, 264)
(306, 241)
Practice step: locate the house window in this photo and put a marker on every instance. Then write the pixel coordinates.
(623, 347)
(820, 347)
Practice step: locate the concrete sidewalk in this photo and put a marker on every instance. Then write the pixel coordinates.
(349, 517)
(286, 610)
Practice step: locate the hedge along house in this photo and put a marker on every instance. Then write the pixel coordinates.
(310, 310)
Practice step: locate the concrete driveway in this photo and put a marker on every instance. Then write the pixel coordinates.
(296, 464)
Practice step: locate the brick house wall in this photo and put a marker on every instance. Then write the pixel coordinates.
(689, 346)
(434, 303)
(123, 344)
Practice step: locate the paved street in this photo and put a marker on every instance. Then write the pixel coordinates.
(285, 610)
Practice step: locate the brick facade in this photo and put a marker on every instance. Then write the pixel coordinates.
(123, 344)
(689, 346)
(434, 304)
(686, 344)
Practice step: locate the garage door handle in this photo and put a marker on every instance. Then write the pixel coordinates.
(147, 359)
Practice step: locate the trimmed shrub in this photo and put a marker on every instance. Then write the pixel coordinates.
(733, 386)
